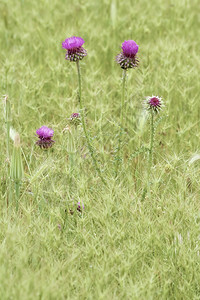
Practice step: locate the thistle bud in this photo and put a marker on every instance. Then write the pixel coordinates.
(153, 103)
(75, 119)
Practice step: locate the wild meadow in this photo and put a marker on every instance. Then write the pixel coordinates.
(102, 202)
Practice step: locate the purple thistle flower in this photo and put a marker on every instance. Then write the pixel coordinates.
(73, 42)
(130, 48)
(74, 48)
(127, 58)
(154, 103)
(45, 134)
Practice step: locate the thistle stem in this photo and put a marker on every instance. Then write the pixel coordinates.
(121, 122)
(123, 99)
(84, 126)
(151, 147)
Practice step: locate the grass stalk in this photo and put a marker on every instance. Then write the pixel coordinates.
(118, 156)
(16, 168)
(8, 120)
(8, 123)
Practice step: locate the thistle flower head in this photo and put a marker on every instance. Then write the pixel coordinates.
(154, 103)
(73, 42)
(74, 48)
(45, 134)
(127, 58)
(129, 48)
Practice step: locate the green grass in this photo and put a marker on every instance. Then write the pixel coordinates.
(125, 245)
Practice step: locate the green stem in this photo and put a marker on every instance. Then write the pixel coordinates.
(8, 118)
(123, 98)
(118, 156)
(71, 173)
(151, 146)
(8, 115)
(84, 126)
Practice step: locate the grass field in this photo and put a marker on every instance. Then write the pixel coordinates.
(125, 244)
